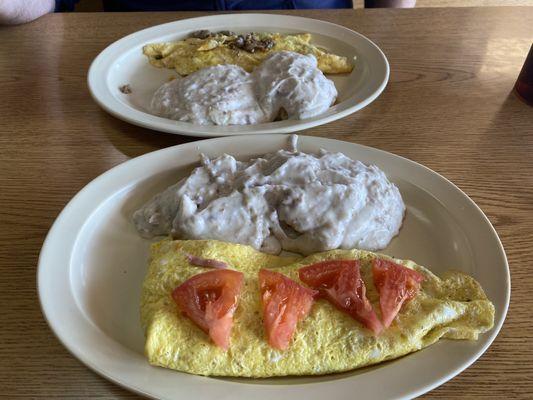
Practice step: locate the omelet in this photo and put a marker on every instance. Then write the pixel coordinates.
(327, 341)
(191, 54)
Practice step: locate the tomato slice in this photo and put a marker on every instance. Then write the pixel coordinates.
(339, 282)
(395, 284)
(285, 303)
(210, 300)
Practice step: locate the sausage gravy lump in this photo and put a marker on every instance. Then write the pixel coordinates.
(219, 95)
(288, 200)
(286, 83)
(293, 82)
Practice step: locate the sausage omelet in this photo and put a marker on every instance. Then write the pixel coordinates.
(327, 341)
(191, 54)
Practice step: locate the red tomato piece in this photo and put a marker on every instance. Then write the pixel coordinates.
(340, 282)
(210, 300)
(395, 284)
(285, 303)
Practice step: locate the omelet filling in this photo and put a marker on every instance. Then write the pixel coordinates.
(191, 54)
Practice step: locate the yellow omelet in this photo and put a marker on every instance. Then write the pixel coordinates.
(327, 341)
(191, 54)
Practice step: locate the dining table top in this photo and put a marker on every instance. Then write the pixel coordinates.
(449, 105)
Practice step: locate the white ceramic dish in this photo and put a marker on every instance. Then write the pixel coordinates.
(93, 262)
(123, 63)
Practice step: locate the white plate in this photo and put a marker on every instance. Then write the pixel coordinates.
(93, 262)
(123, 63)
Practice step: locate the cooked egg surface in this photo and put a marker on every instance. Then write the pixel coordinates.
(192, 54)
(327, 341)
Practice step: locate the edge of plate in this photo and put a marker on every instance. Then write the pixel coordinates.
(411, 394)
(160, 124)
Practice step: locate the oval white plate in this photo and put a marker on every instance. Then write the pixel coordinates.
(93, 262)
(123, 63)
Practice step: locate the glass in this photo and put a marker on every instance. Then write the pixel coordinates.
(524, 84)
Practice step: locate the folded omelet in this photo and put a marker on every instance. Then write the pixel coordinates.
(327, 341)
(191, 54)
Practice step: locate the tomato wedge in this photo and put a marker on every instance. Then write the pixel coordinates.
(395, 284)
(339, 282)
(285, 303)
(210, 300)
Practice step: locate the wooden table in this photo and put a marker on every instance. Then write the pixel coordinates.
(449, 105)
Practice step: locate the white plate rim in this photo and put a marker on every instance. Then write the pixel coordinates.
(52, 241)
(97, 74)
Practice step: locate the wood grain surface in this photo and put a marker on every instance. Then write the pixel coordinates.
(449, 105)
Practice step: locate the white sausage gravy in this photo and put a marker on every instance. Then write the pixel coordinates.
(228, 95)
(287, 200)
